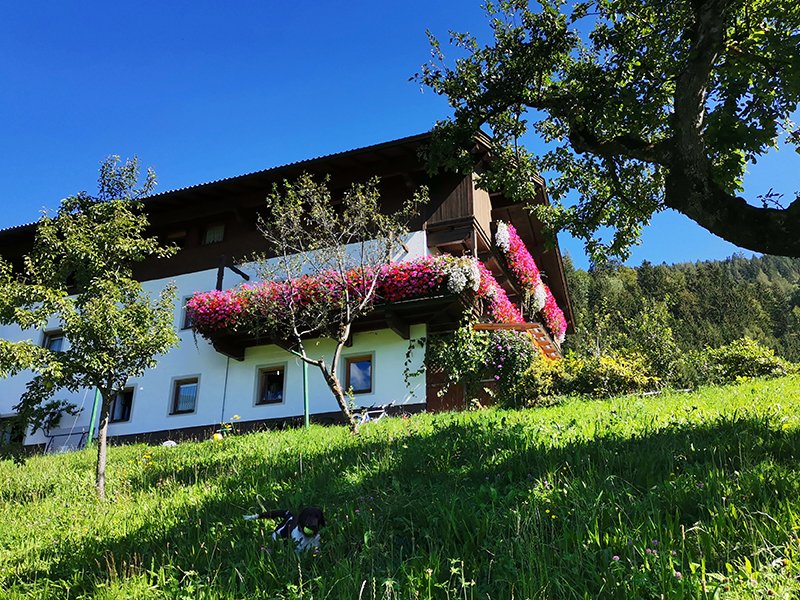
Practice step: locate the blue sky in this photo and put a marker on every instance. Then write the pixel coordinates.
(203, 90)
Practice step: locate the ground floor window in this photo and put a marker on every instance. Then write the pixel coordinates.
(271, 385)
(358, 374)
(121, 406)
(11, 432)
(184, 396)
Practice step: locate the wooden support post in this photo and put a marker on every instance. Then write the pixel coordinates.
(224, 262)
(398, 325)
(221, 271)
(234, 351)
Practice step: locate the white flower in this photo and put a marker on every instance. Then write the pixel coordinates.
(474, 275)
(501, 237)
(463, 274)
(560, 338)
(457, 281)
(539, 296)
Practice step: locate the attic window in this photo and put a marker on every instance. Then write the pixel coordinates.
(214, 234)
(177, 238)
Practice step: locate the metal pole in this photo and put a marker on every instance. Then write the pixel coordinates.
(93, 418)
(305, 392)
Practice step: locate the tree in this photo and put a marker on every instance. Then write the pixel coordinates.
(645, 105)
(328, 257)
(80, 274)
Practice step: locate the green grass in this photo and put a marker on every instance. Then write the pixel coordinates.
(698, 495)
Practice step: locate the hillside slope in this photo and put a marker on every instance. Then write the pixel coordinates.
(685, 495)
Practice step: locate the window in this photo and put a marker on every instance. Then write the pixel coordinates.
(184, 397)
(177, 238)
(121, 407)
(54, 340)
(186, 320)
(214, 234)
(271, 385)
(358, 374)
(11, 431)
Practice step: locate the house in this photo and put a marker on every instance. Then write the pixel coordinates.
(200, 384)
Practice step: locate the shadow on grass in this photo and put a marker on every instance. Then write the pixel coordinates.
(522, 504)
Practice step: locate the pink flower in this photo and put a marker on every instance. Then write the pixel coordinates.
(258, 307)
(523, 267)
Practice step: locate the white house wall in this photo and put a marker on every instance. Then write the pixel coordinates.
(228, 387)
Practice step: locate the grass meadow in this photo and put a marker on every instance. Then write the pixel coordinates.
(672, 496)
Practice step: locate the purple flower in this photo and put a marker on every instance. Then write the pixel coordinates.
(615, 558)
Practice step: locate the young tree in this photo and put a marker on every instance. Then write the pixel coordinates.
(328, 257)
(645, 104)
(80, 274)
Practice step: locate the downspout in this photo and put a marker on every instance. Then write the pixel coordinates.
(225, 391)
(305, 392)
(93, 418)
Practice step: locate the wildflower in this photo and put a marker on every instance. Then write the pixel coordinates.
(678, 575)
(615, 558)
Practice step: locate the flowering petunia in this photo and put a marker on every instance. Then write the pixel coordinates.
(259, 305)
(523, 267)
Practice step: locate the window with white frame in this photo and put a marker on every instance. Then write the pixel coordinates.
(186, 319)
(121, 406)
(54, 340)
(184, 396)
(358, 374)
(271, 385)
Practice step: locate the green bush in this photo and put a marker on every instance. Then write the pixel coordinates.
(594, 376)
(541, 382)
(521, 376)
(474, 358)
(743, 358)
(607, 375)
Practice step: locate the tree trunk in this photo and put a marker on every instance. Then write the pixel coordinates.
(338, 393)
(102, 448)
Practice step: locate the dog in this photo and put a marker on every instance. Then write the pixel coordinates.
(302, 529)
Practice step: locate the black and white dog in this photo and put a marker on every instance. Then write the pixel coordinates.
(303, 529)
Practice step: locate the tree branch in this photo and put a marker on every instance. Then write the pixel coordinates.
(767, 230)
(583, 140)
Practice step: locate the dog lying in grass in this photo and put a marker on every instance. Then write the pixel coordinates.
(302, 529)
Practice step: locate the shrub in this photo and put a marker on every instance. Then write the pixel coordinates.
(742, 358)
(472, 357)
(541, 382)
(595, 376)
(607, 374)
